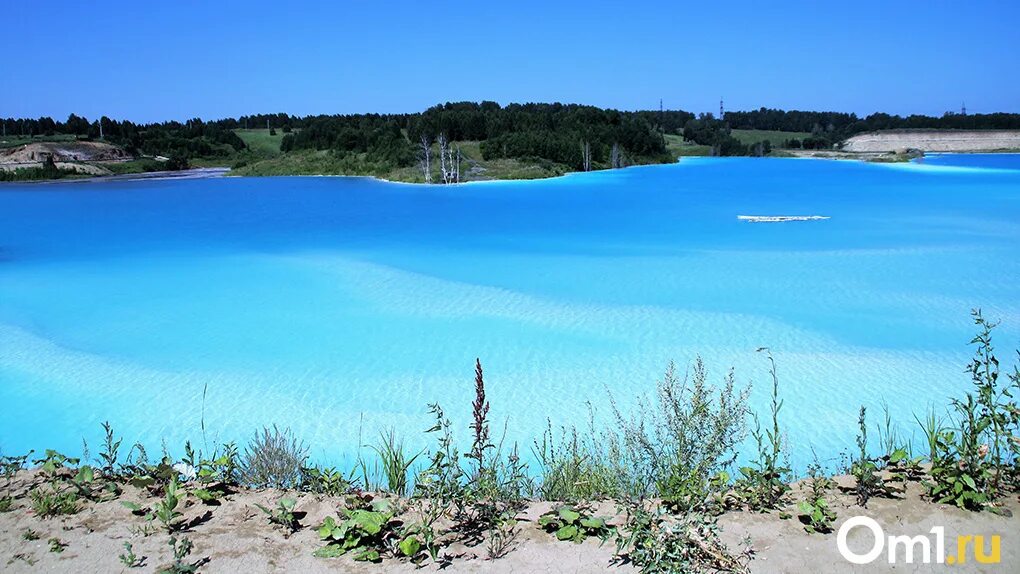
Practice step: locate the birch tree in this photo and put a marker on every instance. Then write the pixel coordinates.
(444, 150)
(616, 157)
(585, 155)
(425, 157)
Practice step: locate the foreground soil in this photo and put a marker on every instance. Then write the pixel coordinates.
(237, 537)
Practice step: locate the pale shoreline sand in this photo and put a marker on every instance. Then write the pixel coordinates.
(235, 536)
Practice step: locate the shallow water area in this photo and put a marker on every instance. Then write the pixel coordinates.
(340, 307)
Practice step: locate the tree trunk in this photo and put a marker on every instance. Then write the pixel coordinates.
(426, 158)
(585, 155)
(444, 150)
(616, 157)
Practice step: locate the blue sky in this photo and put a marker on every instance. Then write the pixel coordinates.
(149, 61)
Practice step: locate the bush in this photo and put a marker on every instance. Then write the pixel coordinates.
(764, 482)
(678, 448)
(576, 467)
(661, 544)
(47, 503)
(273, 458)
(973, 453)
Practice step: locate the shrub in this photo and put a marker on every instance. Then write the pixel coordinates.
(577, 466)
(283, 515)
(324, 480)
(658, 543)
(110, 448)
(973, 451)
(439, 489)
(180, 548)
(47, 502)
(502, 537)
(765, 481)
(815, 512)
(273, 458)
(998, 415)
(678, 447)
(864, 468)
(395, 461)
(129, 558)
(574, 523)
(366, 532)
(9, 467)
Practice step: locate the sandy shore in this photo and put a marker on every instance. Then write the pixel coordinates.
(236, 537)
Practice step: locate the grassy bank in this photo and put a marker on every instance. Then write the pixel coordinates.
(679, 147)
(329, 162)
(262, 142)
(655, 481)
(778, 139)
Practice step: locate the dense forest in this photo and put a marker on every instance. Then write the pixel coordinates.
(575, 136)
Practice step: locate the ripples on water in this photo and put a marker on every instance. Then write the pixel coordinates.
(340, 306)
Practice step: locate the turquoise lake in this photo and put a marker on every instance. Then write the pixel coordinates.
(340, 307)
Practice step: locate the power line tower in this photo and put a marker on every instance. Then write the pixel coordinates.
(661, 125)
(963, 109)
(722, 113)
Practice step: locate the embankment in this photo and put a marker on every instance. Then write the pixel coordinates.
(934, 141)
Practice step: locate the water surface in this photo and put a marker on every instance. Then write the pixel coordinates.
(342, 306)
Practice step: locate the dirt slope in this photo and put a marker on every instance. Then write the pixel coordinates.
(934, 141)
(63, 152)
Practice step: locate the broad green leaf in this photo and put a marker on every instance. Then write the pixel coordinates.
(330, 551)
(204, 495)
(568, 532)
(326, 528)
(546, 520)
(569, 515)
(85, 475)
(368, 555)
(142, 481)
(409, 546)
(370, 522)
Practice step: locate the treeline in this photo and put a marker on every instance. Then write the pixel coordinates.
(380, 137)
(572, 135)
(179, 141)
(830, 128)
(579, 137)
(709, 131)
